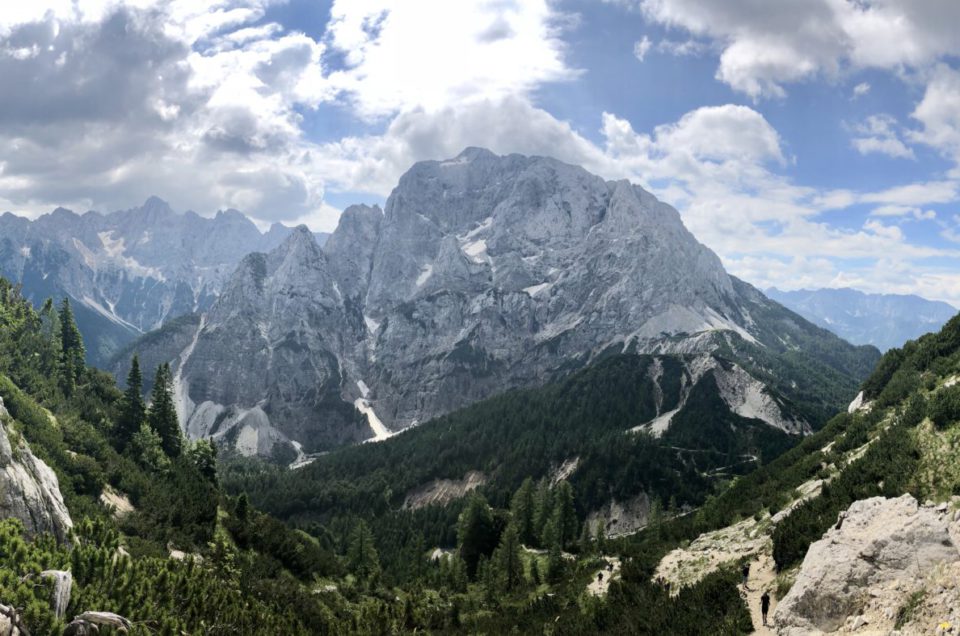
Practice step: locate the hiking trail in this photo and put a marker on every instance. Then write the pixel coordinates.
(762, 577)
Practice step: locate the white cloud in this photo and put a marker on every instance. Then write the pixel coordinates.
(861, 89)
(682, 48)
(939, 113)
(878, 134)
(916, 194)
(479, 50)
(894, 210)
(642, 47)
(766, 45)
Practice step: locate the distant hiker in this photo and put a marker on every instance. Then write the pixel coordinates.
(746, 575)
(599, 577)
(765, 606)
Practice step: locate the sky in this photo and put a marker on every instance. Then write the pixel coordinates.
(810, 143)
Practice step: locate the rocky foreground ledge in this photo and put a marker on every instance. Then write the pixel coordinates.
(889, 566)
(29, 489)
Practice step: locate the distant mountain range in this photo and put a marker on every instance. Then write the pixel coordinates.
(882, 320)
(129, 271)
(483, 274)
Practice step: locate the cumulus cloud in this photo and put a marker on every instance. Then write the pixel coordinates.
(767, 45)
(938, 113)
(484, 51)
(204, 103)
(125, 99)
(879, 134)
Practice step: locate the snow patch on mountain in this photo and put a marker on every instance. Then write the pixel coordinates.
(113, 257)
(476, 250)
(364, 389)
(533, 290)
(372, 325)
(425, 272)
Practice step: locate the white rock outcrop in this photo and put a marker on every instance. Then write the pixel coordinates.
(442, 491)
(29, 489)
(878, 542)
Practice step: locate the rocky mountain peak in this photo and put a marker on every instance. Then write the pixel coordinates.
(300, 243)
(351, 247)
(482, 273)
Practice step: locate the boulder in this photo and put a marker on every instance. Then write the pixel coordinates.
(879, 541)
(29, 490)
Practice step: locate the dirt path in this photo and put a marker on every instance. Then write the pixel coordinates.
(762, 577)
(600, 584)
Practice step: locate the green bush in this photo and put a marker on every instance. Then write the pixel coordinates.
(945, 406)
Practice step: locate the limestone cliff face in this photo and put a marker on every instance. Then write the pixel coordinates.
(264, 365)
(29, 490)
(483, 273)
(864, 569)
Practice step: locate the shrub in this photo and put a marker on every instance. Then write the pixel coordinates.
(945, 407)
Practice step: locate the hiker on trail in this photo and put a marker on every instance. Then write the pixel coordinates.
(765, 606)
(599, 577)
(746, 575)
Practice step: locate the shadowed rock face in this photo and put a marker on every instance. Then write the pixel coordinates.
(482, 274)
(29, 490)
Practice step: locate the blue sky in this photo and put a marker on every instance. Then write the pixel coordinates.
(810, 143)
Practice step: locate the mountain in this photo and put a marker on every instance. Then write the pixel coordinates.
(838, 520)
(129, 271)
(482, 274)
(882, 320)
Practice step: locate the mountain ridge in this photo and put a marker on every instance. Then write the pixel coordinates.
(130, 270)
(886, 321)
(481, 274)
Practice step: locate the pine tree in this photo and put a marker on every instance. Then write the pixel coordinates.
(586, 541)
(566, 514)
(535, 571)
(147, 448)
(50, 333)
(522, 510)
(543, 508)
(203, 455)
(162, 415)
(243, 507)
(655, 522)
(475, 532)
(601, 536)
(362, 557)
(555, 564)
(72, 351)
(507, 561)
(133, 411)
